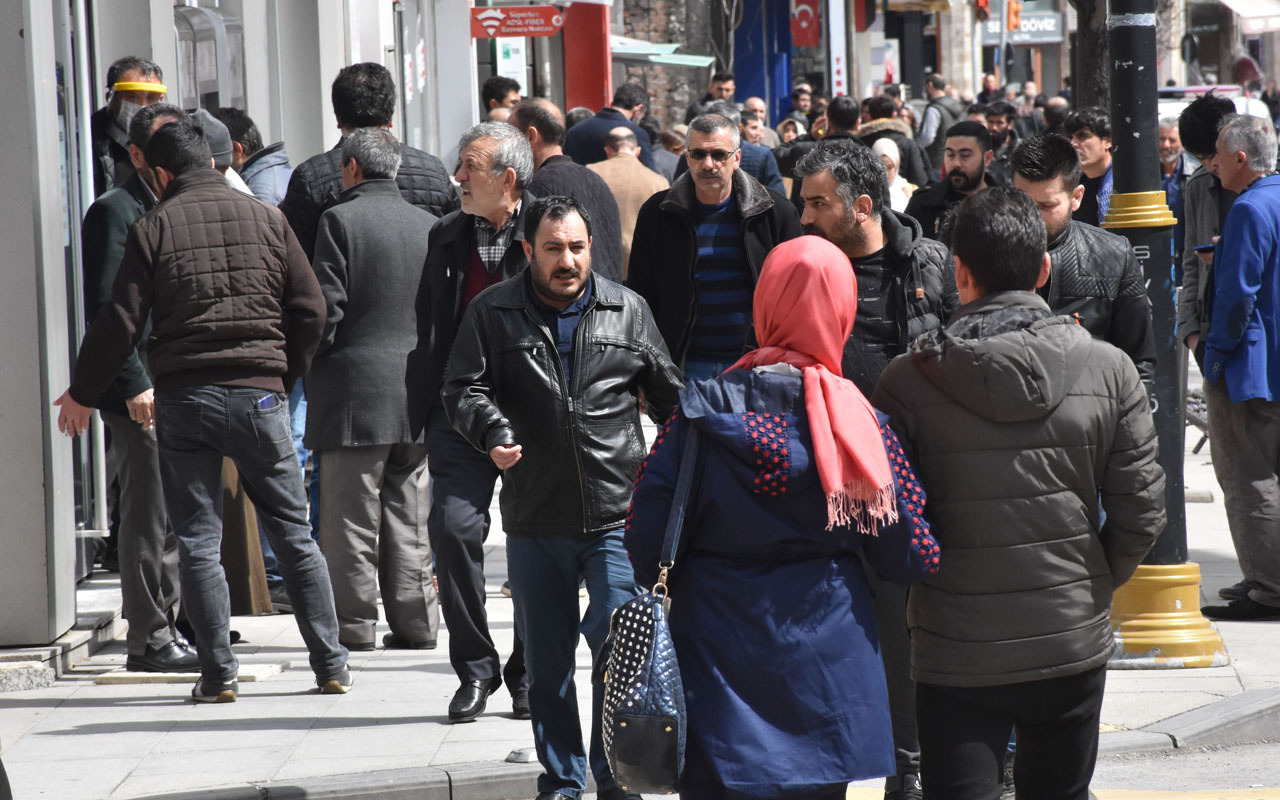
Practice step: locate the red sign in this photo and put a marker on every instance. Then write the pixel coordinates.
(488, 23)
(806, 28)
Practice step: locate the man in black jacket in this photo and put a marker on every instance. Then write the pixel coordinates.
(964, 172)
(584, 142)
(133, 83)
(1095, 277)
(554, 173)
(546, 378)
(148, 549)
(906, 288)
(699, 246)
(1001, 117)
(364, 96)
(884, 125)
(470, 250)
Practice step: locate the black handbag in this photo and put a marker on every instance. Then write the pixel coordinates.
(644, 714)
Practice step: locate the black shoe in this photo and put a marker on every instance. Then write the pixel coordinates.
(393, 642)
(170, 658)
(616, 793)
(207, 691)
(471, 698)
(520, 706)
(337, 683)
(1243, 610)
(907, 788)
(558, 796)
(1237, 590)
(280, 603)
(359, 647)
(184, 628)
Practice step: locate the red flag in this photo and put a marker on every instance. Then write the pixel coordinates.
(806, 27)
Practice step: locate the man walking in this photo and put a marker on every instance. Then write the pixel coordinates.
(965, 159)
(365, 418)
(545, 379)
(237, 317)
(1019, 425)
(1242, 351)
(699, 246)
(756, 160)
(630, 181)
(1089, 130)
(470, 250)
(584, 142)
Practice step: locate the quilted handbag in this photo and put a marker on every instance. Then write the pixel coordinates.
(644, 714)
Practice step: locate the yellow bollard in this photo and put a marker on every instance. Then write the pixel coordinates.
(1157, 622)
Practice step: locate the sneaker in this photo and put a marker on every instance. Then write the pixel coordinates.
(1237, 590)
(337, 683)
(207, 691)
(908, 788)
(280, 603)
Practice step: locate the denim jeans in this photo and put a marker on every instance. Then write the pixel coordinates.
(704, 370)
(298, 426)
(544, 574)
(197, 426)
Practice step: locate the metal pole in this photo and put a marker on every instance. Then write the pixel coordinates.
(1002, 66)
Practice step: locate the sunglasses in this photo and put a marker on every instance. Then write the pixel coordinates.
(717, 155)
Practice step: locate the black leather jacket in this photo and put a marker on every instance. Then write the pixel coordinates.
(581, 443)
(1096, 278)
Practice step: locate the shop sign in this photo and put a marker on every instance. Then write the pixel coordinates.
(489, 23)
(1038, 27)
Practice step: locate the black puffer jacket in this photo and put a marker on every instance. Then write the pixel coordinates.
(1096, 278)
(1018, 424)
(582, 442)
(316, 186)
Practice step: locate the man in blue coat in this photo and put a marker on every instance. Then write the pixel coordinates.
(1242, 352)
(584, 142)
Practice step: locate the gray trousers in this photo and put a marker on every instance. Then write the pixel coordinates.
(148, 549)
(373, 532)
(1245, 442)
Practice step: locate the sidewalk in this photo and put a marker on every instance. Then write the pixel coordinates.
(83, 739)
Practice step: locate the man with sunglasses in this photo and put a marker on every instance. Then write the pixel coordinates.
(698, 248)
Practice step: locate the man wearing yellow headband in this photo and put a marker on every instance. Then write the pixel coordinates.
(133, 83)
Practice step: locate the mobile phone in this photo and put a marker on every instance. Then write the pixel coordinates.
(267, 401)
(1204, 248)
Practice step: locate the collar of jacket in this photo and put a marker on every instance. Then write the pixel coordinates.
(456, 226)
(901, 233)
(372, 187)
(511, 293)
(750, 194)
(269, 150)
(997, 301)
(139, 191)
(1068, 236)
(881, 125)
(195, 178)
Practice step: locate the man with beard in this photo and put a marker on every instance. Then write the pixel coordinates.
(569, 406)
(1090, 132)
(1001, 117)
(134, 83)
(964, 168)
(906, 287)
(1176, 169)
(1094, 276)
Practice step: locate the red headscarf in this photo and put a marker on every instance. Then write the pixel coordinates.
(805, 303)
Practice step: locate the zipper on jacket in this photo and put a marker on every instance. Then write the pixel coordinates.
(564, 387)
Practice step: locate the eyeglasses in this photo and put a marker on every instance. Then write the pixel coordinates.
(717, 155)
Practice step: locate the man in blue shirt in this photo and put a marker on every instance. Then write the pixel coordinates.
(1176, 167)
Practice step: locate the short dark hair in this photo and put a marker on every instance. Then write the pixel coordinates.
(652, 128)
(540, 115)
(843, 113)
(552, 207)
(1047, 156)
(241, 128)
(1002, 108)
(375, 150)
(972, 129)
(629, 95)
(976, 108)
(1000, 237)
(891, 90)
(576, 115)
(364, 96)
(497, 88)
(1091, 119)
(673, 139)
(178, 147)
(881, 107)
(856, 170)
(936, 81)
(120, 66)
(722, 76)
(140, 126)
(750, 116)
(796, 94)
(1199, 123)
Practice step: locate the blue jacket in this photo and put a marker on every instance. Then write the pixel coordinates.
(585, 141)
(1243, 343)
(267, 173)
(757, 161)
(771, 613)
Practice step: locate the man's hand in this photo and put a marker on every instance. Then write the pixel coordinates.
(73, 419)
(142, 408)
(819, 127)
(505, 456)
(1193, 339)
(1207, 256)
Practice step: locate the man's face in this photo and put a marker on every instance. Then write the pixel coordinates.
(1054, 201)
(1095, 152)
(999, 126)
(560, 259)
(722, 90)
(510, 101)
(825, 214)
(482, 190)
(804, 102)
(1170, 145)
(712, 178)
(981, 119)
(1029, 90)
(1231, 167)
(756, 106)
(137, 98)
(989, 82)
(964, 163)
(753, 131)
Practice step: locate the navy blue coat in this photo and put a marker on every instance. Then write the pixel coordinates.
(771, 613)
(585, 141)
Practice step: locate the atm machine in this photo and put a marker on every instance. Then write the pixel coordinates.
(210, 59)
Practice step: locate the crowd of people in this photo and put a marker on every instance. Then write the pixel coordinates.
(914, 358)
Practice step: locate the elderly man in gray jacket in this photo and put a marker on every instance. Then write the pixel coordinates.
(1020, 424)
(365, 419)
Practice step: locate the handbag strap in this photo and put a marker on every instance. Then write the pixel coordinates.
(679, 503)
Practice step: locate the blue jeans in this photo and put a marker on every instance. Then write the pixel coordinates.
(298, 427)
(196, 426)
(703, 370)
(544, 574)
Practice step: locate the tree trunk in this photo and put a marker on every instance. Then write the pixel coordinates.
(1091, 75)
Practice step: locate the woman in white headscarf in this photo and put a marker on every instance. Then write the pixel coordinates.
(899, 190)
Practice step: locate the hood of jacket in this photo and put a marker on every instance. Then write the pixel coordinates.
(273, 155)
(875, 127)
(901, 233)
(751, 195)
(1004, 357)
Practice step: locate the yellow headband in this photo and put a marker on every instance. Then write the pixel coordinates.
(139, 86)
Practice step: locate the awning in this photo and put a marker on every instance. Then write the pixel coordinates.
(639, 51)
(926, 6)
(1256, 16)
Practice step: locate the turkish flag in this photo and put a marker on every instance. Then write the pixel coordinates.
(806, 28)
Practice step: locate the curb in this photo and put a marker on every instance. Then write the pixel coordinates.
(1246, 717)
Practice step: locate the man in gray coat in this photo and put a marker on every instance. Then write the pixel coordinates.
(1020, 425)
(365, 419)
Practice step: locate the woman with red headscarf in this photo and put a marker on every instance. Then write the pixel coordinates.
(771, 613)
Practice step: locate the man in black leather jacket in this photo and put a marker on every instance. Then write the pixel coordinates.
(1094, 277)
(546, 377)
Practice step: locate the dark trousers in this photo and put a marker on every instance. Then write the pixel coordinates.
(964, 733)
(895, 652)
(462, 481)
